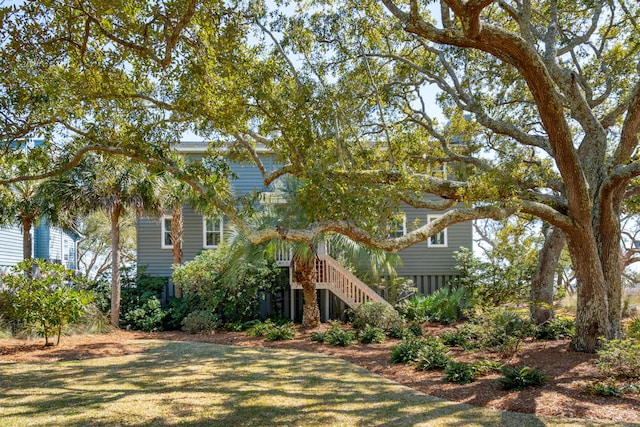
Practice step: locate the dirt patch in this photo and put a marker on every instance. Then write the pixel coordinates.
(562, 396)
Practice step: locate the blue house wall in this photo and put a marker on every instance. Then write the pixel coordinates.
(10, 247)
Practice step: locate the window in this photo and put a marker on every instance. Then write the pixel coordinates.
(438, 240)
(212, 231)
(65, 249)
(398, 227)
(166, 233)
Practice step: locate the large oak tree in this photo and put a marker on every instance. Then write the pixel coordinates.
(339, 95)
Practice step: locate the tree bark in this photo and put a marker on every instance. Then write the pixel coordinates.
(543, 280)
(115, 264)
(592, 307)
(305, 275)
(27, 240)
(176, 239)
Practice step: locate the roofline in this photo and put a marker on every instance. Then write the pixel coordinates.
(203, 147)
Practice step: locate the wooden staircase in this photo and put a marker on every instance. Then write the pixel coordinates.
(331, 275)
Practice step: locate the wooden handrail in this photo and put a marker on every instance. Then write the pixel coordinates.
(343, 283)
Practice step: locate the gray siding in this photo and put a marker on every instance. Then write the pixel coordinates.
(429, 267)
(10, 246)
(158, 261)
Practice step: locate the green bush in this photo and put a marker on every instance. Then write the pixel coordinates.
(603, 389)
(416, 329)
(407, 350)
(555, 329)
(200, 322)
(414, 308)
(486, 366)
(211, 281)
(400, 332)
(633, 328)
(502, 331)
(447, 305)
(620, 358)
(149, 317)
(337, 336)
(460, 372)
(140, 304)
(432, 355)
(371, 335)
(317, 336)
(520, 377)
(48, 296)
(376, 314)
(280, 332)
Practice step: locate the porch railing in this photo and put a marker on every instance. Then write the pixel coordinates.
(341, 282)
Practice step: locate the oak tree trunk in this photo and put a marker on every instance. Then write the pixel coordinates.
(115, 265)
(592, 308)
(542, 282)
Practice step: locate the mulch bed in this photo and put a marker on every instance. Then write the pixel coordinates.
(562, 396)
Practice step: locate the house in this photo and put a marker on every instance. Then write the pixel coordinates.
(429, 265)
(52, 243)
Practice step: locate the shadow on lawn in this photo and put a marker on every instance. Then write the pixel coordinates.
(194, 384)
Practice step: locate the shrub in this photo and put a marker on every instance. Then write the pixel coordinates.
(432, 355)
(502, 331)
(48, 296)
(518, 378)
(414, 308)
(200, 322)
(257, 328)
(407, 350)
(486, 366)
(603, 389)
(460, 372)
(633, 328)
(555, 329)
(213, 282)
(280, 332)
(620, 358)
(416, 329)
(447, 305)
(400, 332)
(371, 335)
(376, 314)
(337, 336)
(149, 317)
(317, 336)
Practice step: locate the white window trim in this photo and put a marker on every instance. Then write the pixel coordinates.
(204, 231)
(445, 234)
(404, 226)
(163, 233)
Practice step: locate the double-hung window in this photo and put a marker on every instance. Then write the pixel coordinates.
(166, 233)
(437, 240)
(398, 227)
(212, 231)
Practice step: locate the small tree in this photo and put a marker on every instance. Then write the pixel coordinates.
(44, 294)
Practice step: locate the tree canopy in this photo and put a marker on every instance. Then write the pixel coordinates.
(542, 101)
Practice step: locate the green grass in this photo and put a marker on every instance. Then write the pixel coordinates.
(192, 384)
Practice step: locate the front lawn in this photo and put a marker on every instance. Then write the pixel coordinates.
(189, 384)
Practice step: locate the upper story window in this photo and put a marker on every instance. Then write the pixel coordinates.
(166, 233)
(212, 231)
(66, 248)
(398, 227)
(437, 240)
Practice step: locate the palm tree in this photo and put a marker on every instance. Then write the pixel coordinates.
(287, 213)
(113, 185)
(174, 194)
(26, 203)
